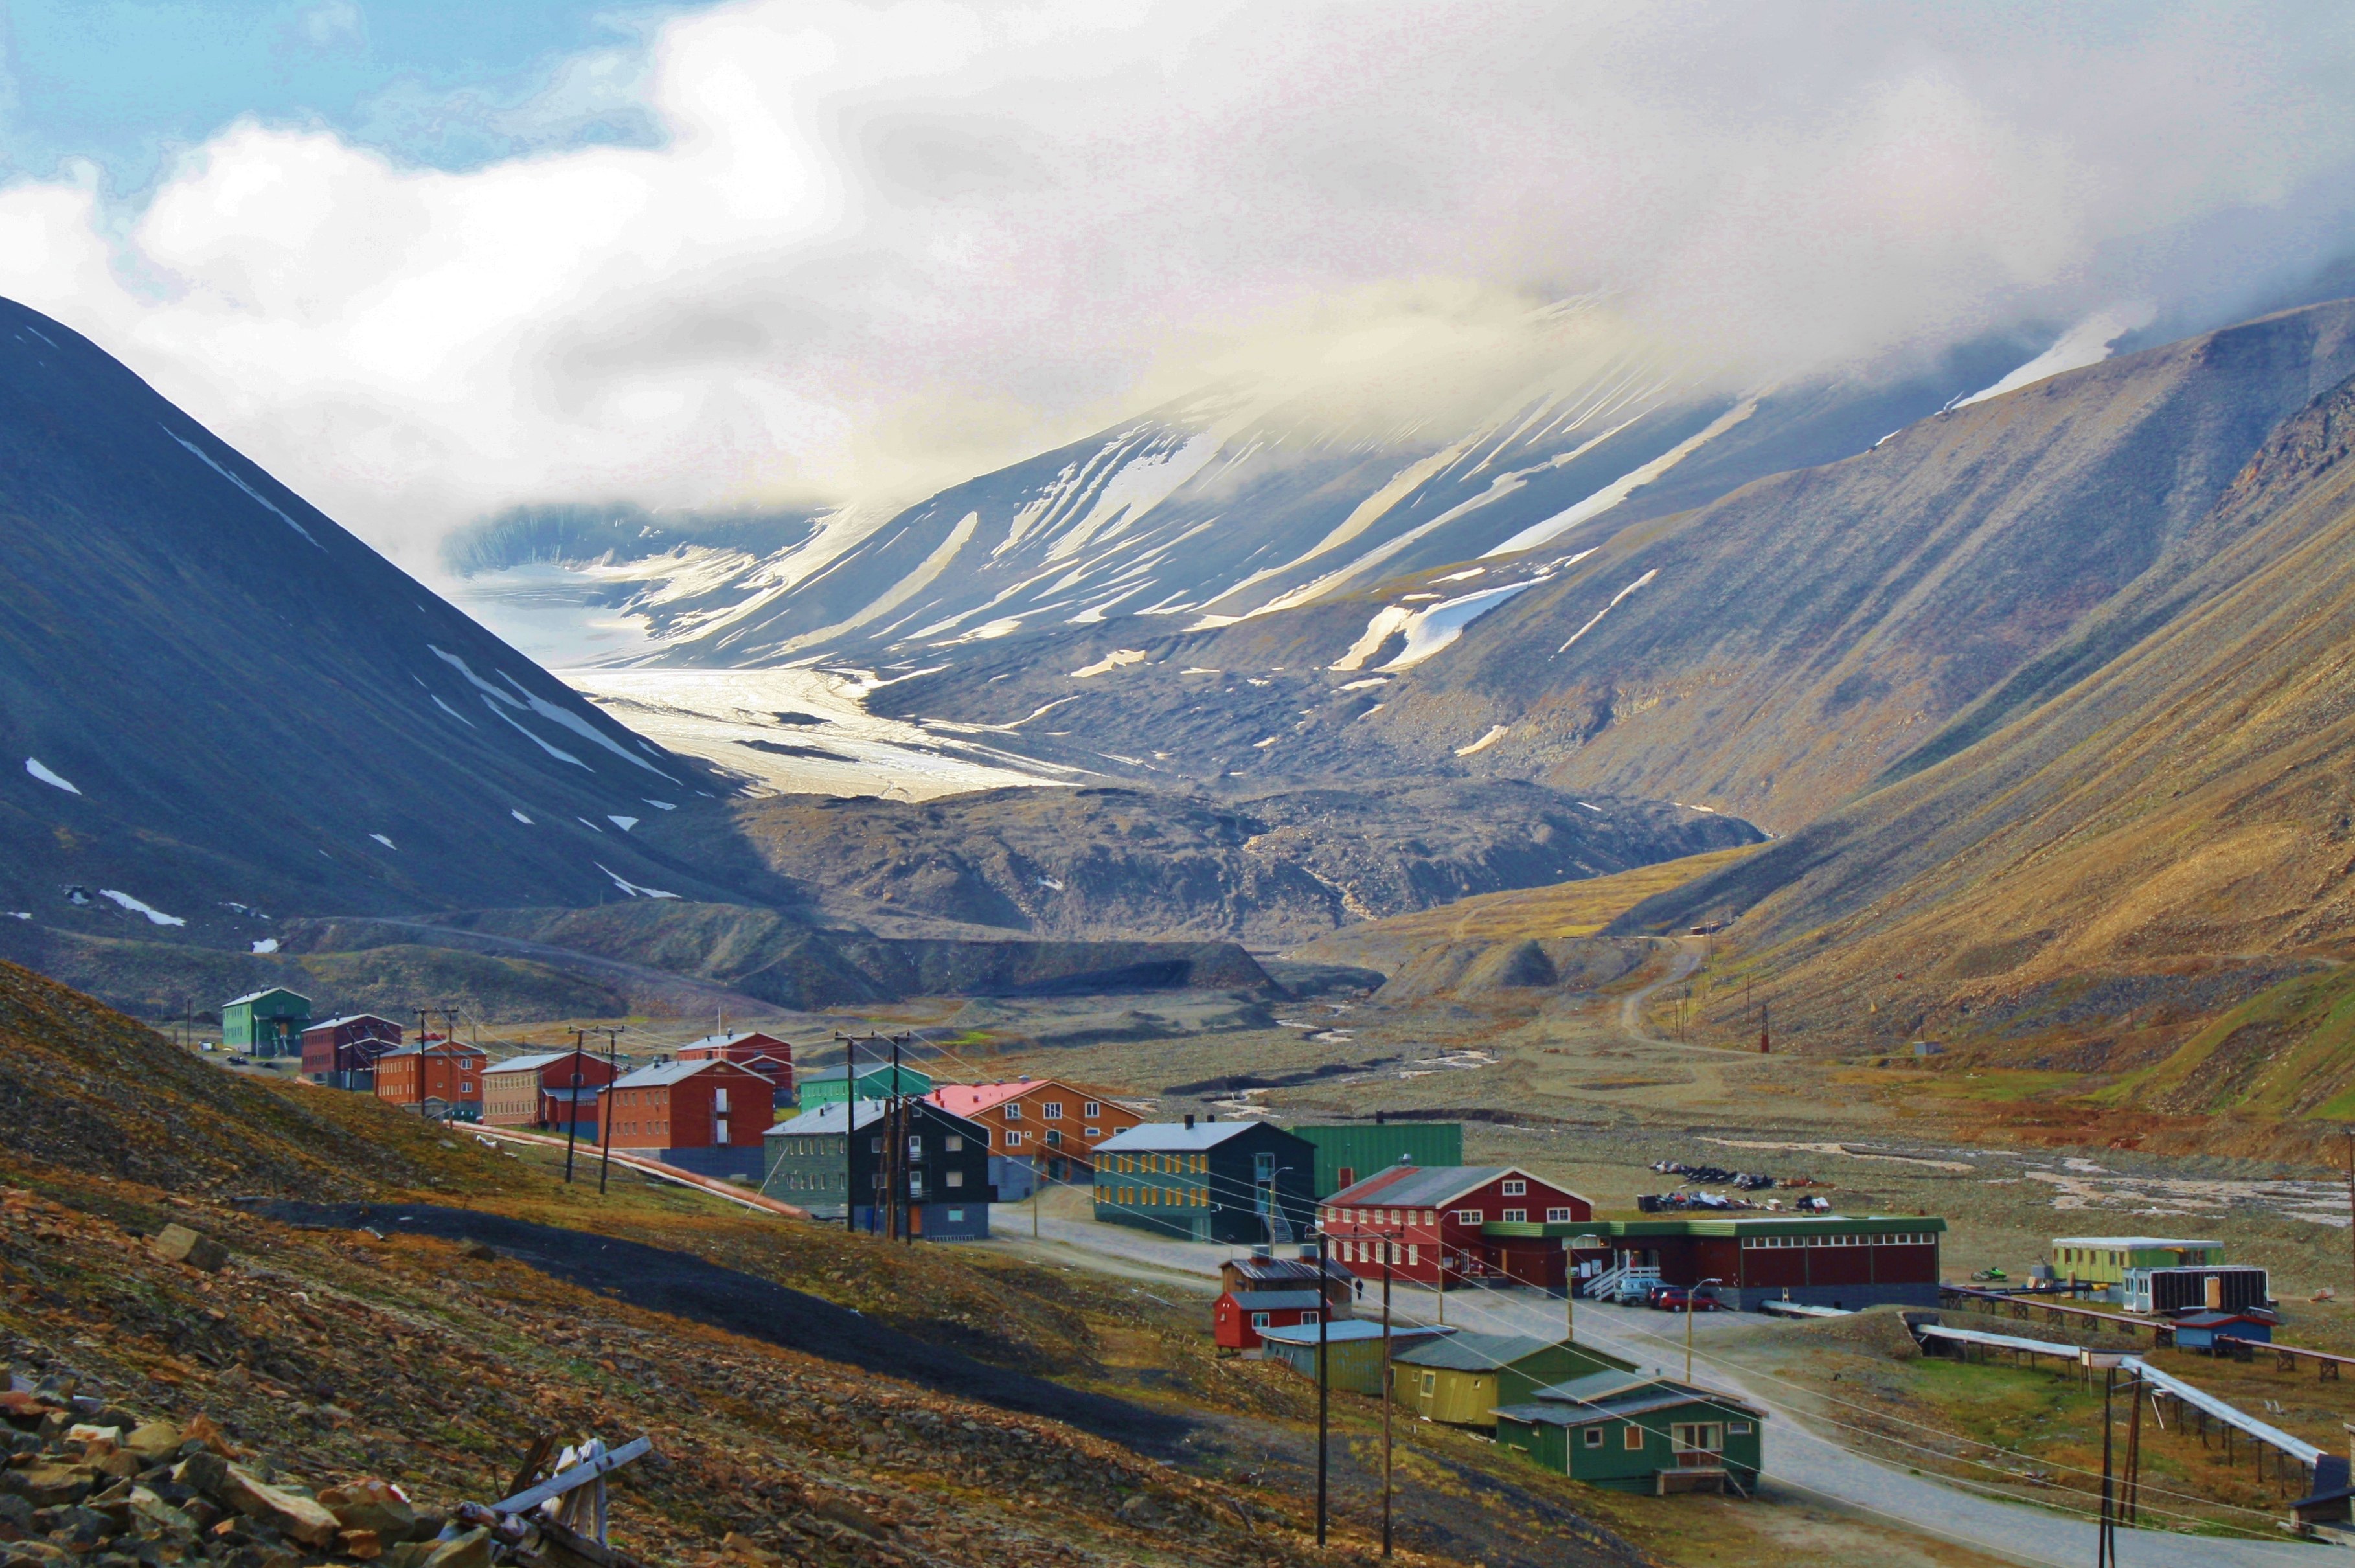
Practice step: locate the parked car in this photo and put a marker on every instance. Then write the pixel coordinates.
(1683, 1298)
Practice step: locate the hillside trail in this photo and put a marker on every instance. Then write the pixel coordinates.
(683, 994)
(1690, 951)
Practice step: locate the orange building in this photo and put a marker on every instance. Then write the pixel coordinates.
(1052, 1124)
(705, 1116)
(433, 1075)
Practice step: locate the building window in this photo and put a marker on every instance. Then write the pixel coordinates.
(1052, 1110)
(1013, 1140)
(1515, 1188)
(1310, 1316)
(953, 1143)
(956, 1216)
(1095, 1132)
(953, 1179)
(1013, 1110)
(1737, 1428)
(1516, 1216)
(1259, 1319)
(1430, 1382)
(1414, 1254)
(1593, 1438)
(1093, 1108)
(1557, 1216)
(1468, 1216)
(1631, 1437)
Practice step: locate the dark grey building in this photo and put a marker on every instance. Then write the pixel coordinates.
(1239, 1182)
(947, 1172)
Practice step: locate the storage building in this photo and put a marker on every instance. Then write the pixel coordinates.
(1463, 1378)
(342, 1052)
(1347, 1151)
(2103, 1260)
(1816, 1259)
(1633, 1433)
(947, 1172)
(2219, 1287)
(704, 1117)
(1238, 1182)
(265, 1023)
(1353, 1350)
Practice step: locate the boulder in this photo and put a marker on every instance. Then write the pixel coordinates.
(49, 1485)
(372, 1506)
(178, 1244)
(469, 1549)
(360, 1543)
(153, 1442)
(292, 1515)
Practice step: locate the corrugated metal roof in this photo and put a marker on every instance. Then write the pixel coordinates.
(826, 1118)
(1349, 1330)
(1474, 1352)
(340, 1022)
(2128, 1244)
(672, 1072)
(1670, 1396)
(1275, 1300)
(266, 991)
(526, 1063)
(1154, 1137)
(1595, 1386)
(1423, 1187)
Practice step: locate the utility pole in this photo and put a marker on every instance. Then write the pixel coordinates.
(1692, 1313)
(906, 1193)
(2351, 1186)
(850, 1132)
(1387, 1400)
(572, 1113)
(1762, 1033)
(2131, 1500)
(605, 1101)
(2106, 1551)
(1324, 1384)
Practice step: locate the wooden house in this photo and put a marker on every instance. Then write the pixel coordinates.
(944, 1175)
(704, 1117)
(1052, 1126)
(1463, 1378)
(267, 1022)
(1633, 1433)
(539, 1091)
(1816, 1259)
(1237, 1183)
(1353, 1350)
(342, 1051)
(433, 1078)
(1446, 1225)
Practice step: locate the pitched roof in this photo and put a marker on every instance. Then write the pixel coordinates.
(722, 1041)
(1177, 1137)
(1597, 1386)
(532, 1064)
(434, 1047)
(267, 991)
(1427, 1186)
(1344, 1330)
(1474, 1352)
(827, 1118)
(662, 1072)
(1639, 1396)
(1275, 1300)
(347, 1019)
(2129, 1243)
(1269, 1271)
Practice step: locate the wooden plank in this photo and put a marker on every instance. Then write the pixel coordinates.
(580, 1474)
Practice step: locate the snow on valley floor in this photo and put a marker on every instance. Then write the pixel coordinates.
(800, 731)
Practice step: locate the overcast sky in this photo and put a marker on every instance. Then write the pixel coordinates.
(425, 259)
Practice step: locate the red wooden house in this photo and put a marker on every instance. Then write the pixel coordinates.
(1434, 1219)
(765, 1054)
(434, 1073)
(705, 1116)
(334, 1050)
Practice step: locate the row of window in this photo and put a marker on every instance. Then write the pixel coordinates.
(823, 1181)
(1174, 1197)
(1560, 1216)
(1895, 1239)
(1052, 1111)
(1365, 1251)
(826, 1143)
(1684, 1436)
(1157, 1164)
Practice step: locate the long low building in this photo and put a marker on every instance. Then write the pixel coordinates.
(1749, 1258)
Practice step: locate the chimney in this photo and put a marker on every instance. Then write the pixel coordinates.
(1262, 1250)
(1190, 1121)
(1380, 1116)
(1406, 1159)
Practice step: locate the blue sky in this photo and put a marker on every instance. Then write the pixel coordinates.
(126, 82)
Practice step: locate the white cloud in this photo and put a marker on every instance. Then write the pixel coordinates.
(876, 247)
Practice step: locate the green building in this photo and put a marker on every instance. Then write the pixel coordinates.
(2103, 1260)
(1463, 1379)
(1351, 1152)
(1637, 1434)
(266, 1023)
(819, 1088)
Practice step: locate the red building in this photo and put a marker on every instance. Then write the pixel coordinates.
(538, 1091)
(1745, 1258)
(765, 1054)
(1437, 1222)
(431, 1076)
(1267, 1292)
(334, 1050)
(705, 1116)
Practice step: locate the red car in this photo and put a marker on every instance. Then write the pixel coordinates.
(1683, 1298)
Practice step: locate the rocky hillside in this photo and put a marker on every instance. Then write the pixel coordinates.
(2145, 831)
(218, 706)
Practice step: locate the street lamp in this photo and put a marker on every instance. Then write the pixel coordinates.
(1691, 1297)
(2105, 1552)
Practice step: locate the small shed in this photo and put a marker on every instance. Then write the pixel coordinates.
(1353, 1350)
(1240, 1316)
(2211, 1288)
(267, 1022)
(2200, 1330)
(1633, 1433)
(1463, 1378)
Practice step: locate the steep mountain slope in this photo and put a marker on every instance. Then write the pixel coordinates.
(1768, 655)
(2164, 836)
(1216, 505)
(214, 702)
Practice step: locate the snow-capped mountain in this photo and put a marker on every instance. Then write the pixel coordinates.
(1226, 505)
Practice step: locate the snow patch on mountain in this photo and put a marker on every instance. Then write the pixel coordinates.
(2087, 342)
(140, 906)
(1626, 484)
(1596, 619)
(34, 766)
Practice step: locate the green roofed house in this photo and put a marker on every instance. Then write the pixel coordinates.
(266, 1023)
(1463, 1379)
(1348, 1152)
(819, 1087)
(1639, 1434)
